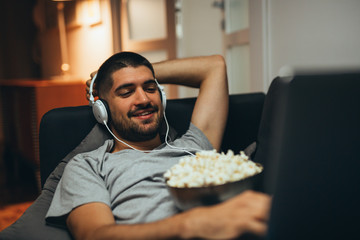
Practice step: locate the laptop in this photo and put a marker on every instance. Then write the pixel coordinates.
(309, 143)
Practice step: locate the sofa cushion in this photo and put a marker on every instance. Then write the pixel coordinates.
(32, 225)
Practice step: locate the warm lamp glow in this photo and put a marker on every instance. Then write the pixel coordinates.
(65, 66)
(89, 12)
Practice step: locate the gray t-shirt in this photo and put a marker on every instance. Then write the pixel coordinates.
(130, 182)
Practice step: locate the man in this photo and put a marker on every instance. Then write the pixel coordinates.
(117, 192)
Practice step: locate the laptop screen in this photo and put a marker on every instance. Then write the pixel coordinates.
(310, 150)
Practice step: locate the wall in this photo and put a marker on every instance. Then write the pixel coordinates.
(201, 33)
(201, 29)
(313, 34)
(88, 46)
(282, 32)
(18, 50)
(257, 18)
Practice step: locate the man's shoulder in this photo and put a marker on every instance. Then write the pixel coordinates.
(194, 130)
(91, 157)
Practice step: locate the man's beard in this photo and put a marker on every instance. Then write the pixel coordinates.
(137, 132)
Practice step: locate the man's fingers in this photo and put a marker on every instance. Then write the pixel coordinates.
(93, 74)
(262, 206)
(88, 82)
(257, 227)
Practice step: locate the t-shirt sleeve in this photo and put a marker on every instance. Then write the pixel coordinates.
(194, 139)
(82, 183)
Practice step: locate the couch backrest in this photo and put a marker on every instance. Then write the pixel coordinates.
(270, 132)
(62, 129)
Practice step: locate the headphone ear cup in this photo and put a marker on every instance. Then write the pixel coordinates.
(163, 96)
(101, 111)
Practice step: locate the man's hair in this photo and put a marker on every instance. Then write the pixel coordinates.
(104, 81)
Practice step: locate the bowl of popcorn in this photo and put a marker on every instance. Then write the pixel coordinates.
(210, 177)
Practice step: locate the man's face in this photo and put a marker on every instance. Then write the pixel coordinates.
(135, 104)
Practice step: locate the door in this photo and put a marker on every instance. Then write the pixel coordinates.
(148, 28)
(236, 43)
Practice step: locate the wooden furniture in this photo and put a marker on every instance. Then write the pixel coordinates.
(23, 102)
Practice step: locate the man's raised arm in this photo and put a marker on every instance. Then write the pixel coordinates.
(209, 75)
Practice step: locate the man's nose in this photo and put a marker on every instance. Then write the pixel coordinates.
(141, 97)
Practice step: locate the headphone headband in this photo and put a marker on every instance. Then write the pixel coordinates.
(91, 98)
(100, 108)
(101, 113)
(162, 94)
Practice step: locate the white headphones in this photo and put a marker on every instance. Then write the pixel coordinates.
(101, 112)
(100, 107)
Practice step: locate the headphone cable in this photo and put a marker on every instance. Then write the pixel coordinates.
(148, 151)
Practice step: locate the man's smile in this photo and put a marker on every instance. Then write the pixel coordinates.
(143, 114)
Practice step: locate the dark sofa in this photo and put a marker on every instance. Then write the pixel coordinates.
(64, 132)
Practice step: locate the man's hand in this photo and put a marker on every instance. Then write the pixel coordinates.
(88, 82)
(245, 213)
